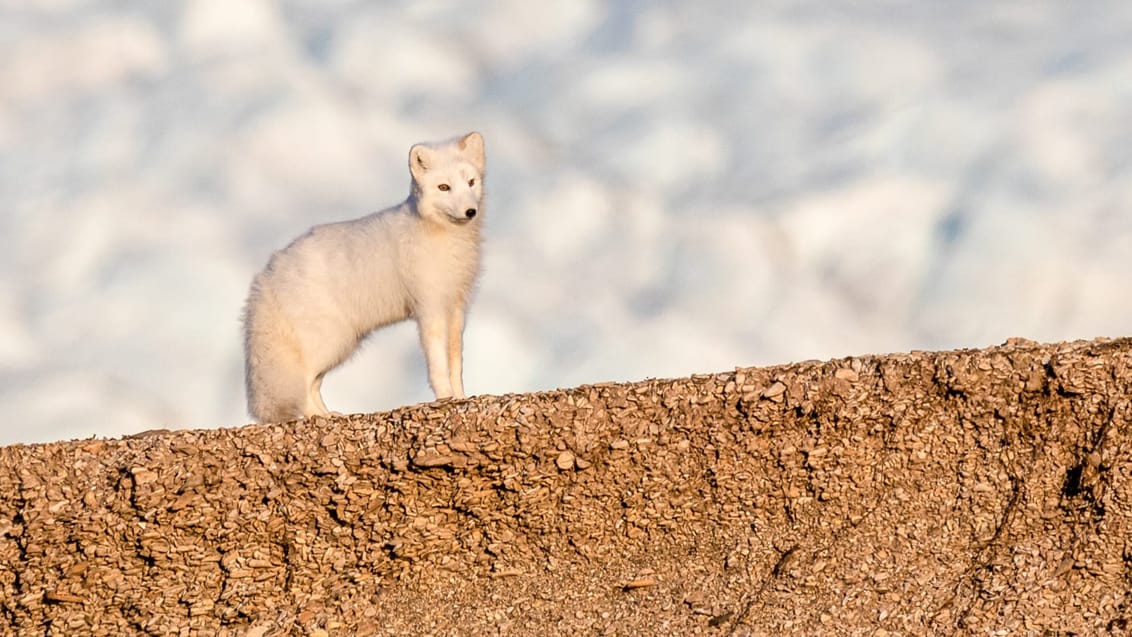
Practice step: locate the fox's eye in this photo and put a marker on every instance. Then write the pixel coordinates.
(471, 182)
(443, 187)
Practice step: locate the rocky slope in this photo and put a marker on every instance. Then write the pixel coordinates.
(922, 493)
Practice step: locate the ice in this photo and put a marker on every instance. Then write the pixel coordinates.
(672, 188)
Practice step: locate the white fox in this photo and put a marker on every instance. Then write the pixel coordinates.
(316, 300)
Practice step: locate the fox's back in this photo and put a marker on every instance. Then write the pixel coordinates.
(344, 272)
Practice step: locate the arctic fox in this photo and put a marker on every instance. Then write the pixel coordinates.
(310, 308)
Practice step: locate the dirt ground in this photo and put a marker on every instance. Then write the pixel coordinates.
(981, 492)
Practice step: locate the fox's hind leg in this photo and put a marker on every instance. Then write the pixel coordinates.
(315, 406)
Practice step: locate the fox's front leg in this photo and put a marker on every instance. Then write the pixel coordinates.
(456, 349)
(434, 341)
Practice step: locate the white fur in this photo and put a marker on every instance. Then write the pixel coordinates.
(316, 300)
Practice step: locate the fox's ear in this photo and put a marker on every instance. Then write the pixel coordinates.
(471, 145)
(420, 160)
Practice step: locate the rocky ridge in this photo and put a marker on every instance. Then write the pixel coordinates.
(921, 493)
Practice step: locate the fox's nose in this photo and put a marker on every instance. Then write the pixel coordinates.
(470, 212)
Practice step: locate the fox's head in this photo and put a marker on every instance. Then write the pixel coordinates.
(448, 179)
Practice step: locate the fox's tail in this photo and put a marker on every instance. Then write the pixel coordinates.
(272, 362)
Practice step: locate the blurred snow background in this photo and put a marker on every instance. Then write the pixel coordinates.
(675, 187)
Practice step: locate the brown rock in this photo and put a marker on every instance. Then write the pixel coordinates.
(639, 582)
(984, 492)
(565, 461)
